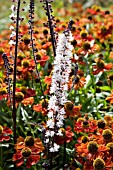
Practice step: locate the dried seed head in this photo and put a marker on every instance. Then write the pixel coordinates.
(111, 77)
(85, 124)
(19, 96)
(38, 56)
(99, 164)
(29, 141)
(25, 63)
(44, 103)
(110, 146)
(86, 46)
(74, 42)
(3, 90)
(85, 139)
(103, 30)
(21, 55)
(26, 40)
(83, 34)
(23, 89)
(107, 134)
(45, 31)
(92, 147)
(69, 106)
(100, 63)
(101, 124)
(26, 152)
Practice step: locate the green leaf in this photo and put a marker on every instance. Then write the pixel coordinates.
(97, 77)
(105, 88)
(88, 81)
(79, 164)
(92, 90)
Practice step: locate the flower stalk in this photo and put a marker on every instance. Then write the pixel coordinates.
(15, 65)
(31, 31)
(7, 66)
(58, 89)
(51, 23)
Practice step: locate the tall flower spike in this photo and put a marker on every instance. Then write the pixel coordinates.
(58, 89)
(15, 65)
(51, 22)
(31, 32)
(13, 17)
(9, 70)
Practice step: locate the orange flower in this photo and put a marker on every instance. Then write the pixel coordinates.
(4, 132)
(28, 149)
(85, 126)
(82, 148)
(43, 60)
(75, 112)
(37, 108)
(111, 55)
(110, 98)
(79, 83)
(48, 80)
(101, 65)
(41, 107)
(26, 153)
(27, 101)
(46, 46)
(26, 91)
(68, 136)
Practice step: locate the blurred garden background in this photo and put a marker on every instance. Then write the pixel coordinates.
(6, 4)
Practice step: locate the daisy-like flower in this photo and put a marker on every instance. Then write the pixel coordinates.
(4, 132)
(85, 126)
(28, 101)
(28, 150)
(101, 66)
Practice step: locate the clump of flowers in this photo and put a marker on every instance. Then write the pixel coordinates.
(28, 150)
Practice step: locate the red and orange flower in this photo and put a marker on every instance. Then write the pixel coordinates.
(28, 150)
(4, 132)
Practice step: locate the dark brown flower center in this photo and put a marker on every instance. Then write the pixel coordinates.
(29, 141)
(26, 152)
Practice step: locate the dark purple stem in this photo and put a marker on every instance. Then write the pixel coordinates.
(51, 29)
(15, 65)
(32, 44)
(64, 157)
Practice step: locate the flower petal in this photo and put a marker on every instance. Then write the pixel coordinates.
(32, 160)
(17, 156)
